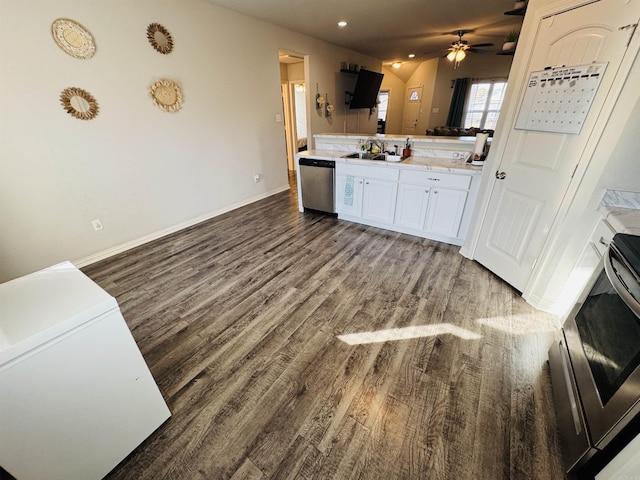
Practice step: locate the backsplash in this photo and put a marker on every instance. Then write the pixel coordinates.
(420, 147)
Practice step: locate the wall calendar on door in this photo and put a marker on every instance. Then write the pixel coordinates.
(558, 99)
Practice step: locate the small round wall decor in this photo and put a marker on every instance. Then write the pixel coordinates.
(73, 38)
(159, 38)
(166, 95)
(79, 103)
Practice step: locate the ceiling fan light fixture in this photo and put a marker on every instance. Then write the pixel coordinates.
(460, 55)
(451, 55)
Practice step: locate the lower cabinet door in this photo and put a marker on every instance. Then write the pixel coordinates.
(411, 207)
(445, 210)
(349, 195)
(379, 200)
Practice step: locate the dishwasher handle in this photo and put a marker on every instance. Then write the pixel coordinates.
(315, 162)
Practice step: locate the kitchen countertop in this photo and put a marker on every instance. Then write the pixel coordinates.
(621, 209)
(411, 163)
(623, 220)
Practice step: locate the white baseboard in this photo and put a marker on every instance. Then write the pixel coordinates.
(96, 257)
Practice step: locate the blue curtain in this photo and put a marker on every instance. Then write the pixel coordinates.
(456, 109)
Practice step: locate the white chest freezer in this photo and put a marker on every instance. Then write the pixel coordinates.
(76, 396)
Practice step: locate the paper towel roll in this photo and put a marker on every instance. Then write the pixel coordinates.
(481, 139)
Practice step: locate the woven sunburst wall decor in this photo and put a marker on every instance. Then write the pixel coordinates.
(166, 95)
(79, 103)
(73, 38)
(160, 38)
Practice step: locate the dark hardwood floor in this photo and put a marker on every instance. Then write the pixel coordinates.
(244, 322)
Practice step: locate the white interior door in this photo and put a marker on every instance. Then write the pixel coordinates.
(537, 167)
(412, 110)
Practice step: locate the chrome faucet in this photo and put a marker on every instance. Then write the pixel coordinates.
(378, 143)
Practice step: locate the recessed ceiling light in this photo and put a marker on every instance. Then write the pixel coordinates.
(396, 64)
(342, 24)
(411, 55)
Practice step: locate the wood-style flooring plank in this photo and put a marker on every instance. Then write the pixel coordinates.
(243, 321)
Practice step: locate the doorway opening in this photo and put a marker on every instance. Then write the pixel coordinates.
(295, 96)
(383, 107)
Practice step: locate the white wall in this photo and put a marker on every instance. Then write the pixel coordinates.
(141, 171)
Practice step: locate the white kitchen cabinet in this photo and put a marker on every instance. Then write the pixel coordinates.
(432, 201)
(371, 198)
(445, 210)
(76, 396)
(436, 210)
(352, 205)
(373, 195)
(625, 465)
(423, 202)
(379, 200)
(411, 206)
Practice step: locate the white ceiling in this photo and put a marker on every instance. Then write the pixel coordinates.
(388, 29)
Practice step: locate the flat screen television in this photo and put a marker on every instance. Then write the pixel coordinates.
(365, 93)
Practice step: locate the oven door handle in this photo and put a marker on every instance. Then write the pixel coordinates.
(618, 285)
(573, 403)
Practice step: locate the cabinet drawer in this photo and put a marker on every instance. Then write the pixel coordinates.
(367, 171)
(428, 178)
(602, 236)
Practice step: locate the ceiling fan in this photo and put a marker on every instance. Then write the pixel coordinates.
(458, 49)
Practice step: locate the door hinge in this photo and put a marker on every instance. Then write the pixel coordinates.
(574, 170)
(631, 26)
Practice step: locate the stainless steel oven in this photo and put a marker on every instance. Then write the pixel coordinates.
(595, 365)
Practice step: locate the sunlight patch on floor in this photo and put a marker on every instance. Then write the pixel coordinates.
(407, 333)
(521, 324)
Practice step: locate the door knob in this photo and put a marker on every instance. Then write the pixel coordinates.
(501, 175)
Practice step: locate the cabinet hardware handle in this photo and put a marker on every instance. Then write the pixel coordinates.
(603, 242)
(501, 175)
(573, 404)
(434, 179)
(435, 191)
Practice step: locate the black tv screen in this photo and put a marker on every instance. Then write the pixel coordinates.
(365, 94)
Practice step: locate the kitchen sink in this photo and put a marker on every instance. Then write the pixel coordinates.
(366, 156)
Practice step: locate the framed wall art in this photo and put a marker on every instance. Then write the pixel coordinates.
(73, 38)
(79, 103)
(166, 95)
(159, 38)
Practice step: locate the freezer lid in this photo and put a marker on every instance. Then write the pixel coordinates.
(41, 306)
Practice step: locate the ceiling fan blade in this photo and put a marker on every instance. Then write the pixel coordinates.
(489, 44)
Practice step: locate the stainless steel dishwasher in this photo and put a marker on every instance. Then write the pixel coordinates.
(317, 182)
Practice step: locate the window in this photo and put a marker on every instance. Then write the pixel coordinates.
(483, 104)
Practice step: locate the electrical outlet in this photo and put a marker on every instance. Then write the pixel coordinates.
(96, 224)
(257, 177)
